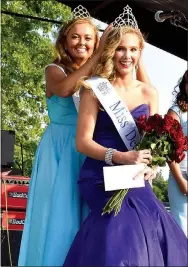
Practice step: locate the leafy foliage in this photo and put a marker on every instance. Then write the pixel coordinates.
(160, 187)
(26, 49)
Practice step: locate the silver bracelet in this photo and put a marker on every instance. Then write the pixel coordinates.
(108, 156)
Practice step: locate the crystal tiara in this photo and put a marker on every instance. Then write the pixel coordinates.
(124, 19)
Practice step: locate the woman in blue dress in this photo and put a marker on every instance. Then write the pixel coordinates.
(55, 209)
(178, 179)
(143, 233)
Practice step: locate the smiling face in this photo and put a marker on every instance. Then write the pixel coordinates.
(127, 54)
(80, 42)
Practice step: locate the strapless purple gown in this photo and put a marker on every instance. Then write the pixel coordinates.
(142, 234)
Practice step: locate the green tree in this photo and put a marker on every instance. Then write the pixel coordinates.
(26, 49)
(160, 187)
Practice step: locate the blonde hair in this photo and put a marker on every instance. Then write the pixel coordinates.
(105, 68)
(62, 56)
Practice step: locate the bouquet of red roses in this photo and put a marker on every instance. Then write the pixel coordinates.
(166, 140)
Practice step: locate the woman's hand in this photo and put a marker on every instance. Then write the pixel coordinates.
(103, 39)
(149, 173)
(137, 157)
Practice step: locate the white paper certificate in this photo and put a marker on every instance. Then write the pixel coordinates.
(124, 176)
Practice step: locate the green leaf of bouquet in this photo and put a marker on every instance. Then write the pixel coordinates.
(153, 145)
(160, 161)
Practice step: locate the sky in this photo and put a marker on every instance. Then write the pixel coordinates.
(164, 71)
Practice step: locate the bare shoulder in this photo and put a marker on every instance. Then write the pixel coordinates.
(54, 73)
(54, 76)
(148, 90)
(88, 95)
(173, 114)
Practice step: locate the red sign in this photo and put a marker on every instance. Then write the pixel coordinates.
(14, 192)
(13, 220)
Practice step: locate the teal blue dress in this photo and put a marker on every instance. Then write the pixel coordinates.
(55, 209)
(178, 201)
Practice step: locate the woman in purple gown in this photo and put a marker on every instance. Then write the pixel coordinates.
(143, 233)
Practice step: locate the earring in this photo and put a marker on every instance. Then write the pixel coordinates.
(136, 67)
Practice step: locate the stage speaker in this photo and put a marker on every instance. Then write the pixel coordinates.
(14, 240)
(7, 148)
(11, 238)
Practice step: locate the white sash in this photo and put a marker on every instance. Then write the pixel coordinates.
(117, 110)
(76, 100)
(75, 97)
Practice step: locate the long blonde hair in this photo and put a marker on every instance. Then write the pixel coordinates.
(105, 67)
(62, 56)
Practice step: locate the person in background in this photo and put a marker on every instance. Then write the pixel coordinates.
(178, 178)
(55, 208)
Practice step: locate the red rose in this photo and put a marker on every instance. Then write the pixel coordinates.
(168, 118)
(156, 122)
(168, 123)
(148, 128)
(181, 144)
(179, 158)
(178, 138)
(166, 129)
(141, 122)
(179, 151)
(175, 135)
(186, 143)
